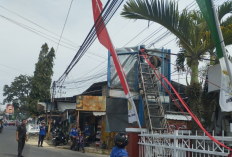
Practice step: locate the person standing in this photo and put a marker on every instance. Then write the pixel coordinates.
(121, 140)
(41, 133)
(21, 137)
(73, 135)
(87, 133)
(80, 143)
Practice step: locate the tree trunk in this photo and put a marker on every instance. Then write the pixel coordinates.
(194, 75)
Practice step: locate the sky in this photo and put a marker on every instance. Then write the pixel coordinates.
(19, 48)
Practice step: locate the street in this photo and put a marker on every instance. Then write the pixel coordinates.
(8, 147)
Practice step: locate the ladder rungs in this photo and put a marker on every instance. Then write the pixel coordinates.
(146, 73)
(144, 64)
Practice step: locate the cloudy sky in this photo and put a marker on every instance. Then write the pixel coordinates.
(20, 47)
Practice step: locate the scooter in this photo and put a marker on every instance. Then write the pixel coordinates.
(58, 138)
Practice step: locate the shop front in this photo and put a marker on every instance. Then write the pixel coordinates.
(91, 112)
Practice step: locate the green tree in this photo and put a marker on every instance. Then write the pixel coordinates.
(191, 31)
(42, 79)
(189, 27)
(18, 92)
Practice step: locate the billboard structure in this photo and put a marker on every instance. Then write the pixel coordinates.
(91, 103)
(9, 109)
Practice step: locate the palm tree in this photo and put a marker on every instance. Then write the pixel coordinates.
(189, 27)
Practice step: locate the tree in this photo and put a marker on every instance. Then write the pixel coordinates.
(190, 28)
(18, 92)
(191, 31)
(42, 79)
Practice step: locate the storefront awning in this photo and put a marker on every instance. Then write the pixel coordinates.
(99, 113)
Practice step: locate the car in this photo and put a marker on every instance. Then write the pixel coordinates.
(11, 122)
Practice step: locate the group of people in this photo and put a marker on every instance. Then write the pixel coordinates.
(121, 140)
(77, 138)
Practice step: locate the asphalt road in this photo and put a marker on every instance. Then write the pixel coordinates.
(9, 146)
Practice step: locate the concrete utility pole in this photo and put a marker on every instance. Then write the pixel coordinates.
(50, 118)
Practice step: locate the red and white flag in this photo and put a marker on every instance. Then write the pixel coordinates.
(104, 39)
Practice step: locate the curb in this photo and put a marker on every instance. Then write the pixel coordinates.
(90, 150)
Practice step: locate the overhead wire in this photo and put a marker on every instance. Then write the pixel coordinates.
(64, 26)
(92, 34)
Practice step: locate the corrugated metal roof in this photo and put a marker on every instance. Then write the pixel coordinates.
(178, 117)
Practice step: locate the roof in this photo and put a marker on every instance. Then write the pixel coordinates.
(178, 117)
(95, 89)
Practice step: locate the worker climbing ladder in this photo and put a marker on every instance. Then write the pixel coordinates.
(152, 105)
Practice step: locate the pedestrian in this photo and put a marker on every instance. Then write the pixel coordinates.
(79, 140)
(41, 134)
(121, 140)
(87, 133)
(73, 135)
(21, 137)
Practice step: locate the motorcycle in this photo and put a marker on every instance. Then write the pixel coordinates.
(58, 138)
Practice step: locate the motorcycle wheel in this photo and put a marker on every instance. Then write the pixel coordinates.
(65, 142)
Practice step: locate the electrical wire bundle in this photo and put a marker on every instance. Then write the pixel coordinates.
(107, 13)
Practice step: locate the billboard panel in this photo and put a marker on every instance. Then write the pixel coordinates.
(9, 109)
(91, 103)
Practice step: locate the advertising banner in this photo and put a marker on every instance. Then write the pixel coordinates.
(9, 109)
(32, 128)
(91, 103)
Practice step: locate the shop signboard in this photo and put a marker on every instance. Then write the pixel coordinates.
(32, 128)
(9, 109)
(91, 103)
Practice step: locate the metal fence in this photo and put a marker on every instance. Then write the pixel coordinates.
(182, 144)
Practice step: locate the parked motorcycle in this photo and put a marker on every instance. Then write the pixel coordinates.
(58, 137)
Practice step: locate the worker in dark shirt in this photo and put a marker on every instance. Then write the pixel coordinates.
(41, 133)
(21, 137)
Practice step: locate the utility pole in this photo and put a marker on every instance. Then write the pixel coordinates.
(47, 110)
(61, 90)
(50, 118)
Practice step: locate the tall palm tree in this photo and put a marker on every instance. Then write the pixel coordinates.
(189, 27)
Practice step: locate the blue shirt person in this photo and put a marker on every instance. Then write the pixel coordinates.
(73, 135)
(87, 133)
(87, 130)
(42, 130)
(41, 134)
(121, 140)
(118, 152)
(79, 141)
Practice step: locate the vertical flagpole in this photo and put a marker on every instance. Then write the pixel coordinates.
(221, 41)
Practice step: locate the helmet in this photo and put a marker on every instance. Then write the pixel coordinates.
(121, 139)
(42, 122)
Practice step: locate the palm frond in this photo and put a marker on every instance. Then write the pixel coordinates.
(162, 12)
(224, 9)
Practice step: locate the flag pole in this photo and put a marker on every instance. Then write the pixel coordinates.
(221, 40)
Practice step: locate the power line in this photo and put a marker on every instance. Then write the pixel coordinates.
(36, 32)
(64, 26)
(13, 68)
(100, 25)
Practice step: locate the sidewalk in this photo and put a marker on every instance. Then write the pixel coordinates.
(90, 149)
(33, 140)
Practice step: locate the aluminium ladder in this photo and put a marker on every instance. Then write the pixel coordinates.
(153, 109)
